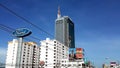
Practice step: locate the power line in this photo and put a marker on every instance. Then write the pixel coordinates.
(5, 29)
(36, 39)
(27, 38)
(10, 30)
(41, 45)
(39, 40)
(27, 21)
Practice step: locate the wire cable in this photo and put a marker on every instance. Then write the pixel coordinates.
(27, 21)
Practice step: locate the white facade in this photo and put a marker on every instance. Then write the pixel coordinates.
(72, 64)
(51, 52)
(11, 54)
(29, 55)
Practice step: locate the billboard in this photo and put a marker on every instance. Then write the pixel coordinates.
(72, 53)
(79, 53)
(79, 56)
(113, 63)
(79, 50)
(76, 53)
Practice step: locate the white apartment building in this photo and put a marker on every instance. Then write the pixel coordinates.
(28, 55)
(52, 52)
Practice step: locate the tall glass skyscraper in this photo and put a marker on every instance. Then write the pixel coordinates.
(64, 30)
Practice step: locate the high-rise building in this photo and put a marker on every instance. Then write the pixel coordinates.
(52, 52)
(29, 55)
(64, 30)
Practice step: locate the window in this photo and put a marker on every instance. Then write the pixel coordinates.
(79, 64)
(34, 46)
(74, 64)
(46, 43)
(69, 65)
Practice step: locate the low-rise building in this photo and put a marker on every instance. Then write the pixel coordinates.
(72, 64)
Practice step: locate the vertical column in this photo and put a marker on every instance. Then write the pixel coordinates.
(19, 53)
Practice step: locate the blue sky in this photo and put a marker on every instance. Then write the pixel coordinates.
(97, 24)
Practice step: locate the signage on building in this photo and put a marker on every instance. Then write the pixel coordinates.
(76, 53)
(113, 63)
(72, 54)
(22, 32)
(79, 53)
(79, 50)
(79, 56)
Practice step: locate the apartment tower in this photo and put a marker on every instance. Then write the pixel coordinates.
(29, 55)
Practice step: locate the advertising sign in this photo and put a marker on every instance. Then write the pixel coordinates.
(79, 53)
(76, 53)
(113, 63)
(79, 50)
(79, 56)
(22, 32)
(72, 54)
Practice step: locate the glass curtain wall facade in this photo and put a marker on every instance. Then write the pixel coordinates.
(64, 31)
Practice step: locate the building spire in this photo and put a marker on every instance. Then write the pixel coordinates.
(58, 15)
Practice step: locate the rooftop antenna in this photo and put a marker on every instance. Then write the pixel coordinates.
(58, 15)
